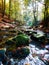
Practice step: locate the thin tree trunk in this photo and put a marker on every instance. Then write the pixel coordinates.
(46, 15)
(15, 9)
(0, 6)
(34, 13)
(3, 7)
(9, 8)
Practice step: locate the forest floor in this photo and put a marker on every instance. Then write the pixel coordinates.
(9, 28)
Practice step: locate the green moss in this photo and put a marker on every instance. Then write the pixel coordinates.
(21, 39)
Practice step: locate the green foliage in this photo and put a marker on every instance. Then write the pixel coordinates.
(18, 10)
(7, 9)
(47, 2)
(26, 2)
(28, 18)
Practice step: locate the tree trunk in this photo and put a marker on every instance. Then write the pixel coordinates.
(2, 8)
(15, 10)
(46, 14)
(34, 13)
(9, 9)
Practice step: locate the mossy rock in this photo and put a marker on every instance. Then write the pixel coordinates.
(22, 53)
(19, 32)
(21, 39)
(9, 42)
(25, 52)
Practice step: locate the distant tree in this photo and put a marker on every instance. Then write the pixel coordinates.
(0, 6)
(16, 8)
(35, 10)
(46, 13)
(9, 8)
(27, 2)
(3, 7)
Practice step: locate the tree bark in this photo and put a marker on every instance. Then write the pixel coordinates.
(9, 9)
(3, 7)
(46, 14)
